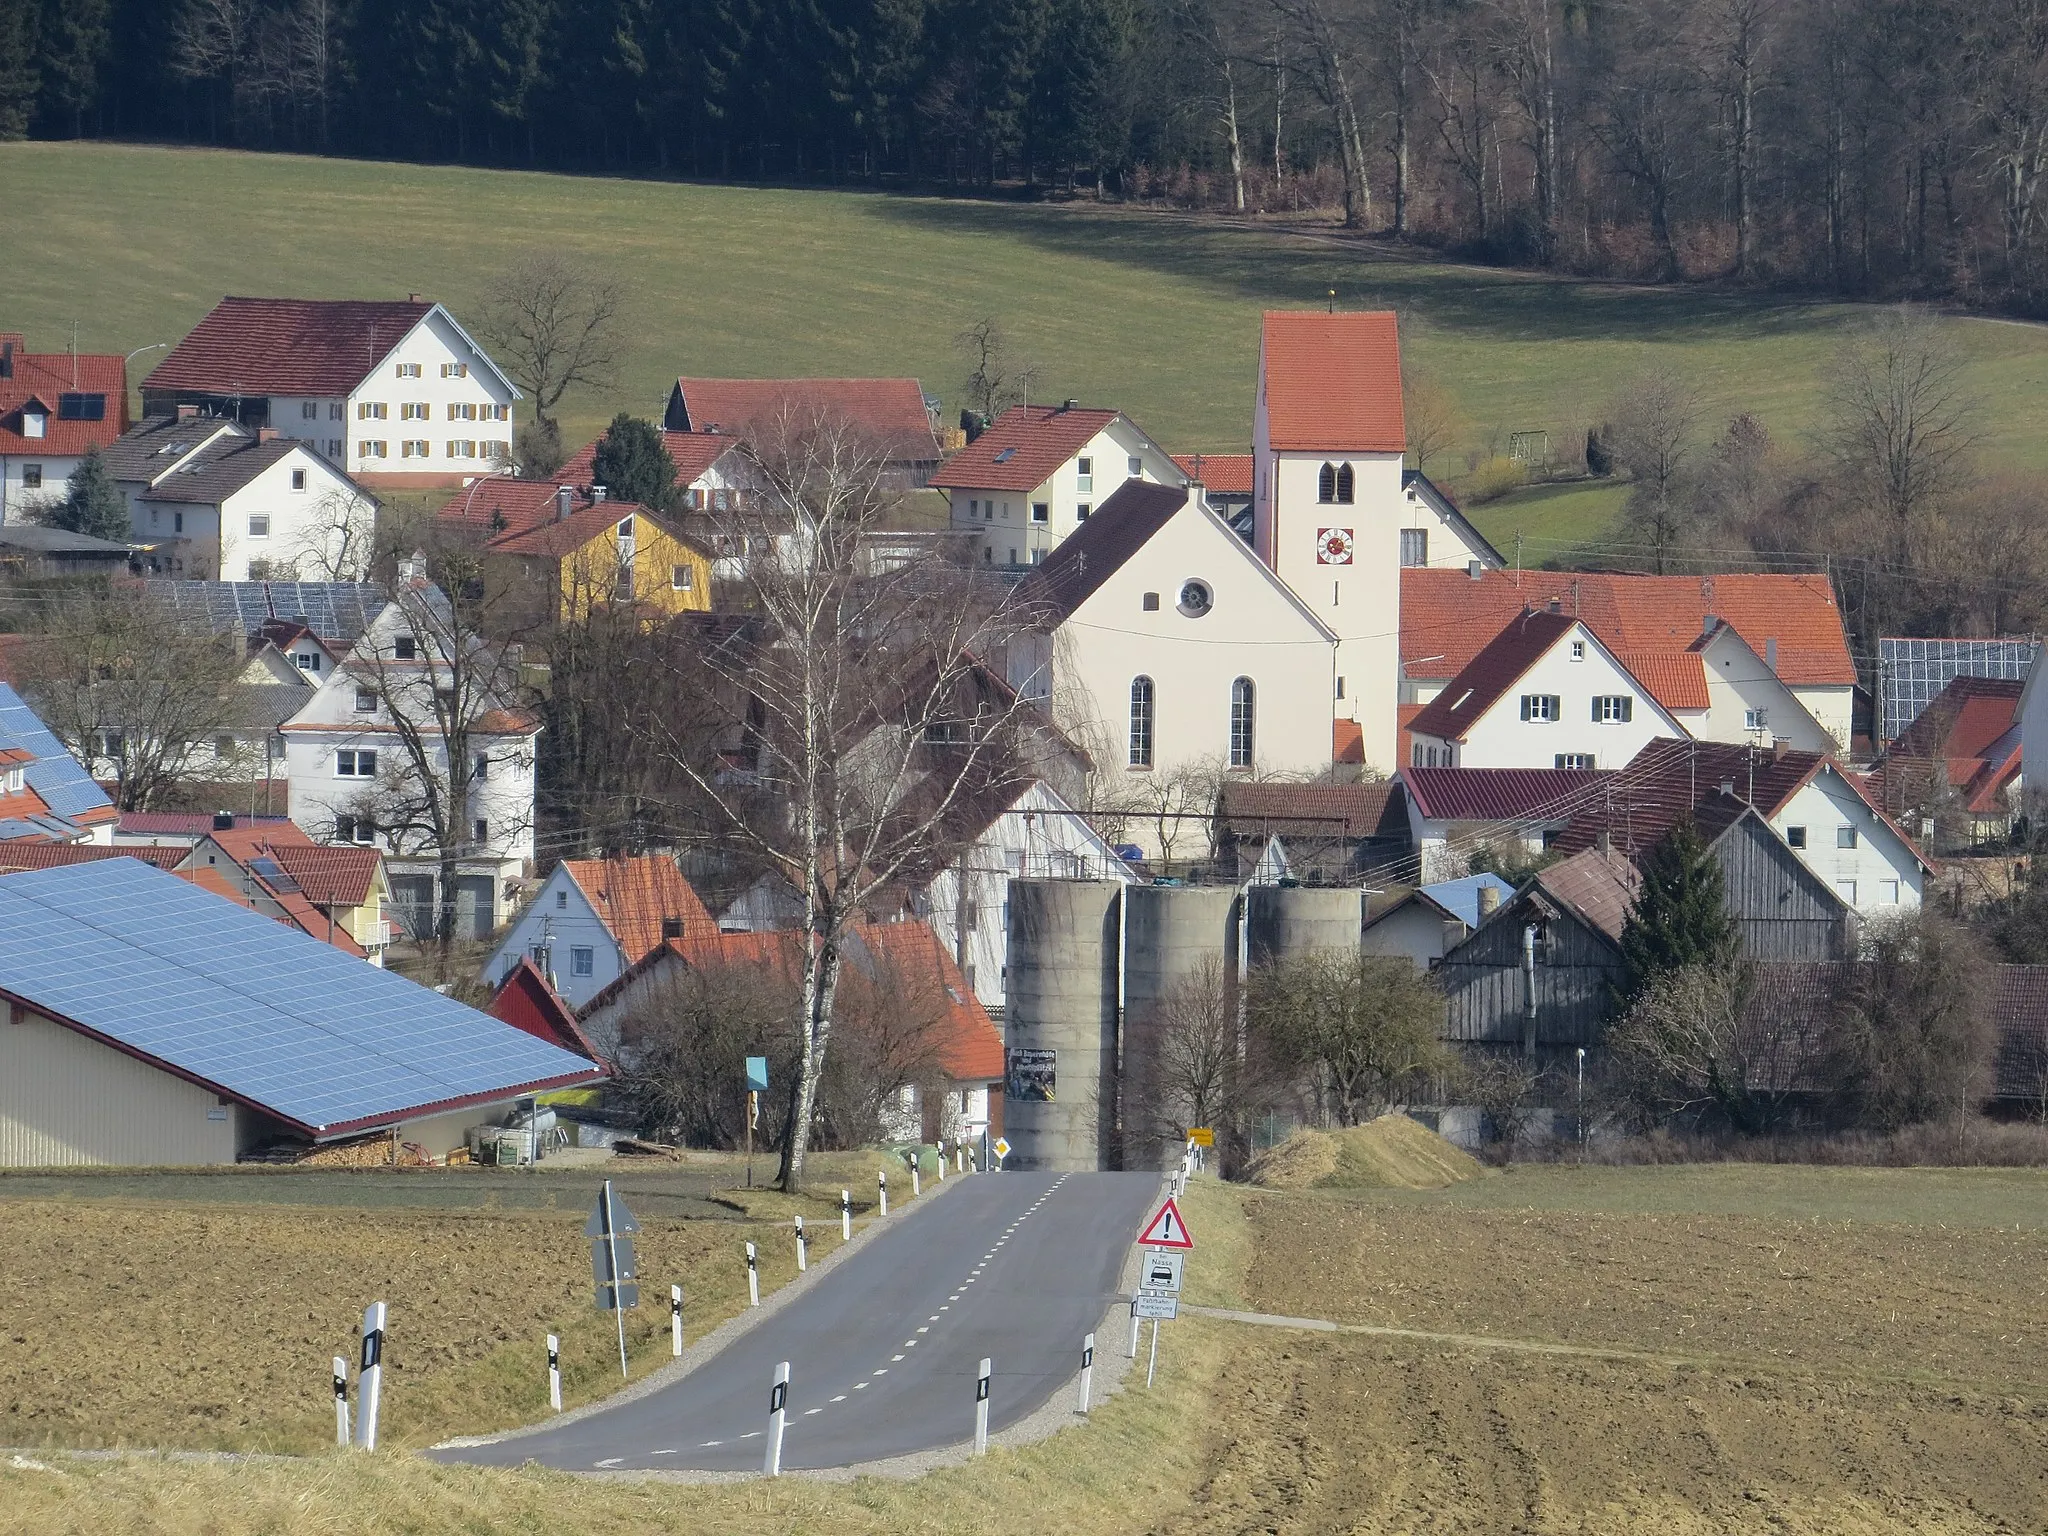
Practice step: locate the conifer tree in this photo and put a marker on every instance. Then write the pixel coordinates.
(632, 464)
(1680, 916)
(94, 506)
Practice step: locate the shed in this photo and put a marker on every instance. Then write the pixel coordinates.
(152, 1023)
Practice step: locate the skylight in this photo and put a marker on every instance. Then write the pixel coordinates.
(1006, 455)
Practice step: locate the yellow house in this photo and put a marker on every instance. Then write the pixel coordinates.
(588, 555)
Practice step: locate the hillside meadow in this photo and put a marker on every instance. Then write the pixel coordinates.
(1155, 313)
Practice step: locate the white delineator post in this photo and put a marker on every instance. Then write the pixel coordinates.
(1153, 1364)
(675, 1320)
(370, 1380)
(981, 1408)
(803, 1248)
(846, 1215)
(1087, 1370)
(959, 1158)
(1131, 1349)
(941, 1165)
(554, 1373)
(882, 1185)
(753, 1278)
(778, 1416)
(916, 1178)
(340, 1401)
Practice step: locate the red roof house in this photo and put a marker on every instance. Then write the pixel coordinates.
(891, 411)
(54, 406)
(526, 1001)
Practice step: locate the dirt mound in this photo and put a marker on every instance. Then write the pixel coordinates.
(1392, 1152)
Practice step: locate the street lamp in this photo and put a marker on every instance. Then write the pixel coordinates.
(1579, 1105)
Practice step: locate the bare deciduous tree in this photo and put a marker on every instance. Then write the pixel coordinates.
(1652, 433)
(996, 379)
(131, 688)
(833, 739)
(1692, 1048)
(554, 325)
(1368, 1027)
(1912, 1038)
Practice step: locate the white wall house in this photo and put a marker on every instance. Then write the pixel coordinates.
(214, 502)
(1168, 648)
(1038, 835)
(352, 782)
(390, 391)
(1435, 535)
(1838, 835)
(1039, 472)
(1747, 701)
(53, 407)
(1327, 499)
(1544, 694)
(2033, 716)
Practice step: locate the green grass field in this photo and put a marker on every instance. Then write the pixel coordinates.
(1155, 313)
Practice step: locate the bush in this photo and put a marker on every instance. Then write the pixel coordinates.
(1492, 479)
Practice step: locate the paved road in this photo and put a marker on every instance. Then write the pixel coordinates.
(883, 1349)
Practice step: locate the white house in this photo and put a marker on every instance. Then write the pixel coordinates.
(1037, 835)
(1329, 509)
(1039, 472)
(1544, 693)
(53, 407)
(1165, 647)
(354, 782)
(1435, 535)
(1425, 923)
(394, 392)
(1821, 813)
(593, 919)
(1661, 628)
(212, 501)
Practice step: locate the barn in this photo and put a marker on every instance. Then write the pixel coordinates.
(151, 1023)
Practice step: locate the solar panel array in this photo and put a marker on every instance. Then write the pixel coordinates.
(1911, 672)
(55, 774)
(250, 1006)
(334, 610)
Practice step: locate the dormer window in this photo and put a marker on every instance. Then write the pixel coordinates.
(34, 423)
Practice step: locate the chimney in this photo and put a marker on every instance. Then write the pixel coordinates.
(1556, 606)
(414, 298)
(598, 494)
(223, 821)
(1070, 405)
(565, 497)
(6, 359)
(187, 412)
(266, 434)
(1728, 788)
(1604, 841)
(1475, 570)
(1771, 654)
(1779, 747)
(1489, 901)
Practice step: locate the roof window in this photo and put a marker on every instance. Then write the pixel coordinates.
(1006, 455)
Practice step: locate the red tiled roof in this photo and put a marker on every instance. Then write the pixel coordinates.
(526, 1001)
(891, 409)
(491, 500)
(1228, 474)
(1447, 616)
(1677, 682)
(285, 346)
(47, 377)
(249, 847)
(910, 959)
(692, 453)
(191, 823)
(1281, 809)
(330, 877)
(1021, 448)
(555, 539)
(1972, 727)
(1347, 741)
(16, 857)
(1481, 682)
(1500, 794)
(1333, 382)
(634, 897)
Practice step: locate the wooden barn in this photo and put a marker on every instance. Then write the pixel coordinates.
(1538, 973)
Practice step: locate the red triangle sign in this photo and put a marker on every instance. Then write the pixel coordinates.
(1166, 1230)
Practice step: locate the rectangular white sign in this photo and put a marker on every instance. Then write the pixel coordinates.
(1150, 1304)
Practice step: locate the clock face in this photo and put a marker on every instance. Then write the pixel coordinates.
(1333, 546)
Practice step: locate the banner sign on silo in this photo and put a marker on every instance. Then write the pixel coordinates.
(1030, 1076)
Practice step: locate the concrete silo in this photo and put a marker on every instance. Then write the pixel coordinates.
(1283, 921)
(1060, 1028)
(1171, 933)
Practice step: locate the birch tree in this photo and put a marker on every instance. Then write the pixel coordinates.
(836, 736)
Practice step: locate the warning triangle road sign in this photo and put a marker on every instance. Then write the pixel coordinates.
(1166, 1230)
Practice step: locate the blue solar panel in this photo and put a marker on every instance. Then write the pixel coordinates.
(248, 1005)
(55, 774)
(1911, 672)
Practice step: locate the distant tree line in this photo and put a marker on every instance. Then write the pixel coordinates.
(1858, 145)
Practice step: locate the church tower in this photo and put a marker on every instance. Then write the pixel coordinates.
(1328, 437)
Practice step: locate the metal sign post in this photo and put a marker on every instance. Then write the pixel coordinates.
(611, 1260)
(778, 1417)
(981, 1408)
(757, 1084)
(1152, 1365)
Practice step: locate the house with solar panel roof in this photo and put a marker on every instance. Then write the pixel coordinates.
(151, 1022)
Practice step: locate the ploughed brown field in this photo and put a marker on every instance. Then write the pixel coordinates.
(1667, 1351)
